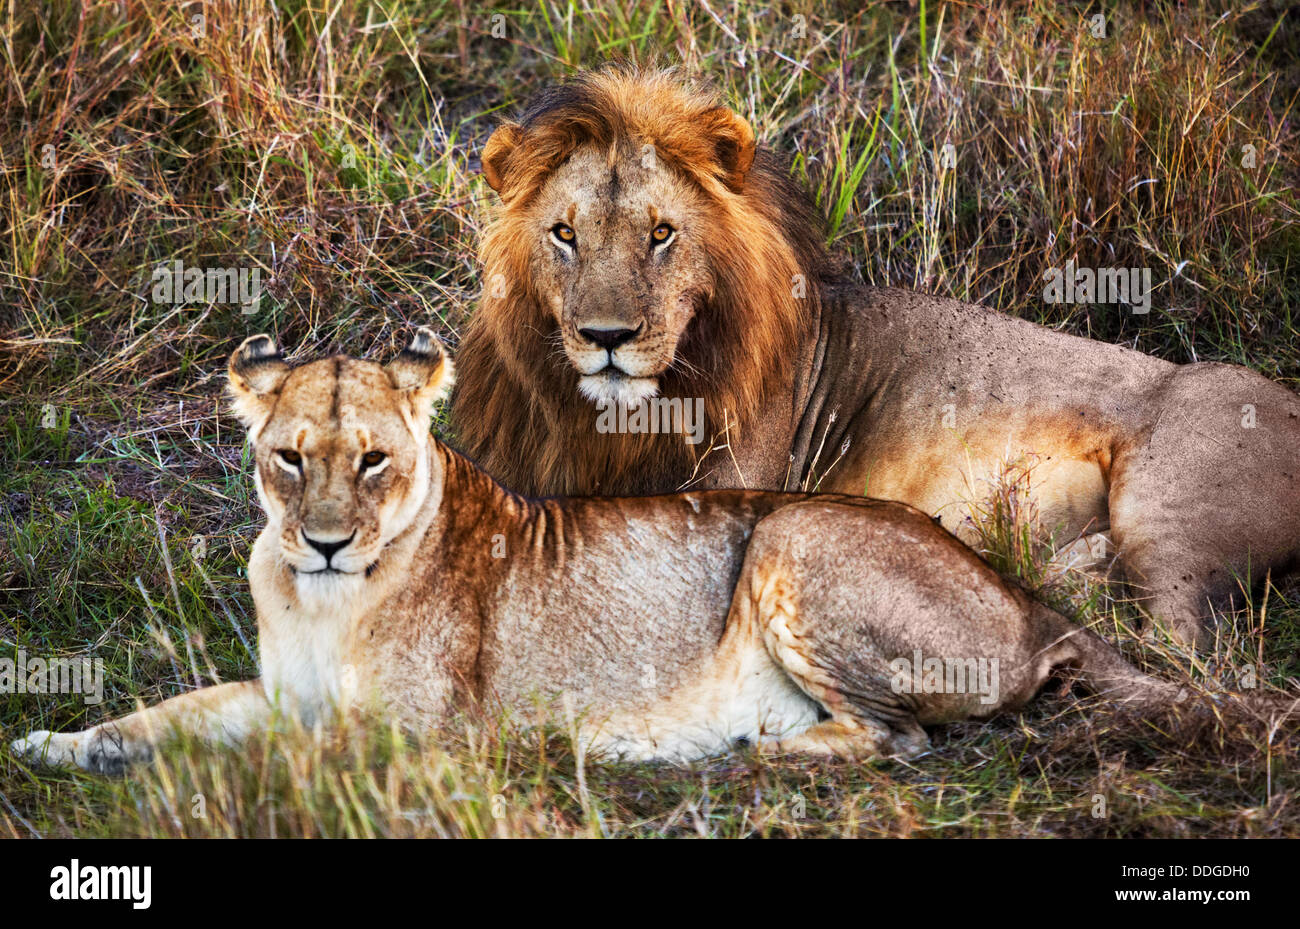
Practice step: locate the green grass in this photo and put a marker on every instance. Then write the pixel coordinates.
(333, 146)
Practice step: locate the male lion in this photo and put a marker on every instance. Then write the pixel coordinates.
(646, 246)
(393, 571)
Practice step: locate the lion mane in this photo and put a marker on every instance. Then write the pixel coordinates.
(767, 257)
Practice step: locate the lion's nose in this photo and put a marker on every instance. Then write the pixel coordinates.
(608, 339)
(328, 548)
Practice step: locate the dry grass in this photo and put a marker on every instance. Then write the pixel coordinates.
(333, 146)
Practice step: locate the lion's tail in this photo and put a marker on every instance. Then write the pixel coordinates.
(1103, 669)
(1109, 674)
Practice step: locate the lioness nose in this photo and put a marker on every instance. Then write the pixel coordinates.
(608, 339)
(328, 548)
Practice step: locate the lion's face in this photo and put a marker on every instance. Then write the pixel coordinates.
(341, 449)
(618, 258)
(644, 245)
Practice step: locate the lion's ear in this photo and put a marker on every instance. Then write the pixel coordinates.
(256, 373)
(423, 370)
(496, 154)
(733, 143)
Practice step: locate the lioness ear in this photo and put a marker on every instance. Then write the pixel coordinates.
(256, 373)
(424, 370)
(496, 154)
(733, 143)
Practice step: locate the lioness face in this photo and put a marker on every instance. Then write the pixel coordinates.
(619, 259)
(341, 447)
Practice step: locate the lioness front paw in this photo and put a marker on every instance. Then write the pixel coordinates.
(92, 750)
(54, 749)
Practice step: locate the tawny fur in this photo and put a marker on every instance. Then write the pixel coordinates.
(812, 380)
(670, 627)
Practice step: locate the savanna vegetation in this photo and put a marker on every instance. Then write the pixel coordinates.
(332, 147)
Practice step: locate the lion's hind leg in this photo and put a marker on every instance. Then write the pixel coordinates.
(888, 623)
(1205, 503)
(866, 719)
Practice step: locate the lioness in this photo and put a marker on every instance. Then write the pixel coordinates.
(646, 247)
(392, 569)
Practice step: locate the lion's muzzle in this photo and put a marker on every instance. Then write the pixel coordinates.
(327, 548)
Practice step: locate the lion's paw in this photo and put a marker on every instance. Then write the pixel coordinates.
(54, 749)
(89, 750)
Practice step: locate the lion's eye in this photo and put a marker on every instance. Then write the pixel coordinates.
(372, 459)
(564, 234)
(290, 457)
(661, 233)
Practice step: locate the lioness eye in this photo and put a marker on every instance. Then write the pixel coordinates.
(661, 233)
(290, 457)
(370, 459)
(564, 234)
